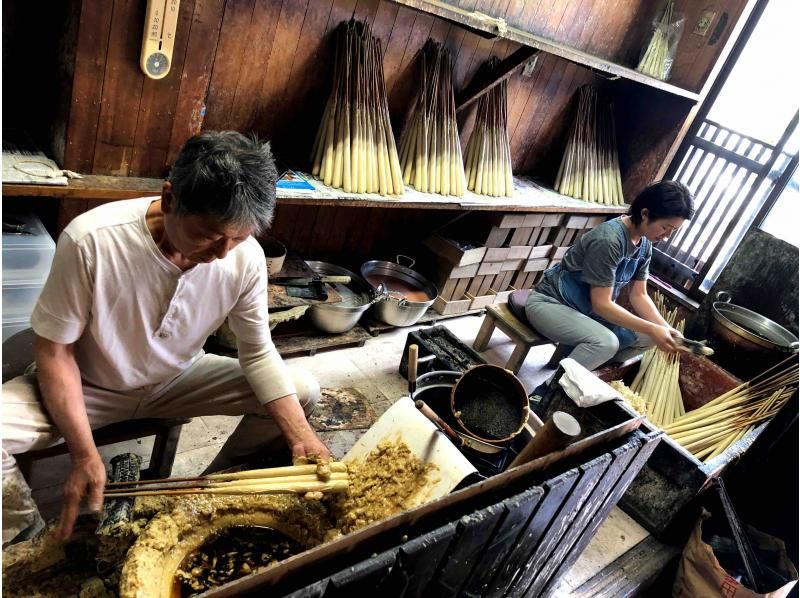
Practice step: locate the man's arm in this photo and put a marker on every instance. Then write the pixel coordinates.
(606, 308)
(300, 436)
(62, 394)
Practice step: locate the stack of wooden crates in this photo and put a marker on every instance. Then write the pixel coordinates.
(480, 261)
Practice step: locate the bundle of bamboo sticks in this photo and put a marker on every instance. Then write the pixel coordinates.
(656, 60)
(488, 157)
(657, 380)
(590, 167)
(355, 148)
(298, 479)
(430, 150)
(709, 430)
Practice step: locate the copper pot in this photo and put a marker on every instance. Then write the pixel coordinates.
(748, 330)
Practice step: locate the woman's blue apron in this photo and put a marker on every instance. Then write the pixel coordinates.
(577, 294)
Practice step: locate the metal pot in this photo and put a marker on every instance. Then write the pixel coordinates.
(397, 311)
(749, 330)
(335, 318)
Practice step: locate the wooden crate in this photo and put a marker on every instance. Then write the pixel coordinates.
(515, 535)
(448, 308)
(454, 252)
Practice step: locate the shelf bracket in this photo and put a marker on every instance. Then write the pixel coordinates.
(504, 70)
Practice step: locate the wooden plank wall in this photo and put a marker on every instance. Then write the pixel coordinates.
(351, 236)
(265, 66)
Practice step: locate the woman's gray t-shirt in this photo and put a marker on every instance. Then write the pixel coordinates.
(596, 255)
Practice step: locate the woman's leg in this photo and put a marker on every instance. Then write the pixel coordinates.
(593, 343)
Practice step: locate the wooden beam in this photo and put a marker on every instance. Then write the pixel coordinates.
(504, 70)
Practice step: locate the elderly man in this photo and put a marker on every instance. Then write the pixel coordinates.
(135, 289)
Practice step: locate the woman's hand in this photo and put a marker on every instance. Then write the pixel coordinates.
(664, 337)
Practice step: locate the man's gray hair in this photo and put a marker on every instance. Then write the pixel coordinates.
(226, 175)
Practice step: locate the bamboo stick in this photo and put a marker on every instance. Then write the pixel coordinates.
(300, 487)
(589, 168)
(488, 168)
(354, 149)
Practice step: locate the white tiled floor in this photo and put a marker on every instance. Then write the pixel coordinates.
(373, 370)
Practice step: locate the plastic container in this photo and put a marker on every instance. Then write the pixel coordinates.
(19, 299)
(26, 257)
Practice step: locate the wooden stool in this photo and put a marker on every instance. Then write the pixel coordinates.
(165, 446)
(524, 337)
(18, 355)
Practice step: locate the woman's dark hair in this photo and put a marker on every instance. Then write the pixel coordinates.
(226, 175)
(665, 199)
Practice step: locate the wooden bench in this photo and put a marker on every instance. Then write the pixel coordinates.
(524, 337)
(18, 356)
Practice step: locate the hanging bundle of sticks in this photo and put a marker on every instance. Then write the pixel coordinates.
(656, 60)
(590, 167)
(709, 430)
(430, 150)
(297, 479)
(355, 149)
(488, 159)
(657, 380)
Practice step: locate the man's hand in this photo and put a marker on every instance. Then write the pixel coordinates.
(86, 479)
(664, 338)
(310, 446)
(299, 434)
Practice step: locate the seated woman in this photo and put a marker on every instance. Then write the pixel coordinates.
(575, 301)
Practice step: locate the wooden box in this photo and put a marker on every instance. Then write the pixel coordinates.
(673, 477)
(455, 252)
(449, 308)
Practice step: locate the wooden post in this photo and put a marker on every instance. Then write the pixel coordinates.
(558, 432)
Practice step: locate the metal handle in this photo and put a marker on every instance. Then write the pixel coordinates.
(795, 346)
(724, 296)
(411, 260)
(380, 293)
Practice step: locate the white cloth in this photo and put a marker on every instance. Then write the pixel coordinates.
(137, 320)
(583, 387)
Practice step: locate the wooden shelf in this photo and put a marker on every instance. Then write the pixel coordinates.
(468, 19)
(91, 186)
(528, 196)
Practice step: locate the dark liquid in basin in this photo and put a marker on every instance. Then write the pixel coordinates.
(229, 555)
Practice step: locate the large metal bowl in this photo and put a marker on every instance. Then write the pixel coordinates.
(749, 330)
(394, 311)
(335, 318)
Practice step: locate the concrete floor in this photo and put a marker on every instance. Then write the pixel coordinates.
(372, 370)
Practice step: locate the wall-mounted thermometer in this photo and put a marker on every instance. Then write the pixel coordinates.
(159, 37)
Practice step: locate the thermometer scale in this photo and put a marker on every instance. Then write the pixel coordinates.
(159, 37)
